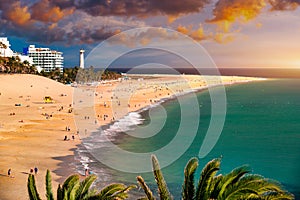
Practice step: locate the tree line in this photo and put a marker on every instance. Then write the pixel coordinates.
(13, 65)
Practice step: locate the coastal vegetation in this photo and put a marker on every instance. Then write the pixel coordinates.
(13, 65)
(238, 184)
(74, 189)
(91, 75)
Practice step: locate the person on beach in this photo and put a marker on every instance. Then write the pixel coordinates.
(66, 138)
(35, 170)
(31, 170)
(86, 172)
(9, 172)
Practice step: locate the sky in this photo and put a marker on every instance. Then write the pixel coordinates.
(234, 33)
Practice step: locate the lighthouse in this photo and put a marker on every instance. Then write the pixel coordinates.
(81, 59)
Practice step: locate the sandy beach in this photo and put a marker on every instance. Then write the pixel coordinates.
(32, 132)
(115, 99)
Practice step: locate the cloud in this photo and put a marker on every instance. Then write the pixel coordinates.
(16, 14)
(197, 34)
(44, 11)
(222, 38)
(259, 25)
(141, 37)
(232, 10)
(46, 23)
(139, 8)
(200, 35)
(88, 21)
(226, 12)
(284, 4)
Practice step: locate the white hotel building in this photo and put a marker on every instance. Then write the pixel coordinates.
(45, 58)
(8, 52)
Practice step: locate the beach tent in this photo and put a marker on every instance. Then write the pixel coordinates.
(48, 99)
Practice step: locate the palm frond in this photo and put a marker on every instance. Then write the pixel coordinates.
(32, 191)
(230, 179)
(278, 196)
(70, 186)
(124, 193)
(110, 190)
(84, 187)
(145, 187)
(245, 188)
(161, 183)
(213, 188)
(188, 187)
(49, 193)
(207, 174)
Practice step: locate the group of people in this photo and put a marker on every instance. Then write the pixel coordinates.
(66, 138)
(68, 128)
(35, 170)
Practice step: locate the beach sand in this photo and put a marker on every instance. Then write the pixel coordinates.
(115, 99)
(29, 138)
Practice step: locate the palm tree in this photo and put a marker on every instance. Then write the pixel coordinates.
(32, 191)
(163, 190)
(49, 193)
(238, 184)
(3, 47)
(74, 189)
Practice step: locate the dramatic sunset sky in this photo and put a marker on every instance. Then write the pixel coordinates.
(236, 33)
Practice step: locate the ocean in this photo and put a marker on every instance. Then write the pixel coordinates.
(262, 130)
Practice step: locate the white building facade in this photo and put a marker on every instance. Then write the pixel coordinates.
(45, 58)
(6, 51)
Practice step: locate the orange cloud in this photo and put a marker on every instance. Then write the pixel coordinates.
(172, 18)
(183, 29)
(197, 34)
(284, 4)
(17, 14)
(200, 35)
(44, 11)
(52, 26)
(227, 12)
(259, 25)
(222, 38)
(237, 9)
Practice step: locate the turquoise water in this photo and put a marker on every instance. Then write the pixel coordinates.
(262, 129)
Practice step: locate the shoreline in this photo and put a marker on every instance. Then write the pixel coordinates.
(105, 171)
(172, 97)
(38, 140)
(147, 106)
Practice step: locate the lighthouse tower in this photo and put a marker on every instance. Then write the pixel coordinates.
(81, 59)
